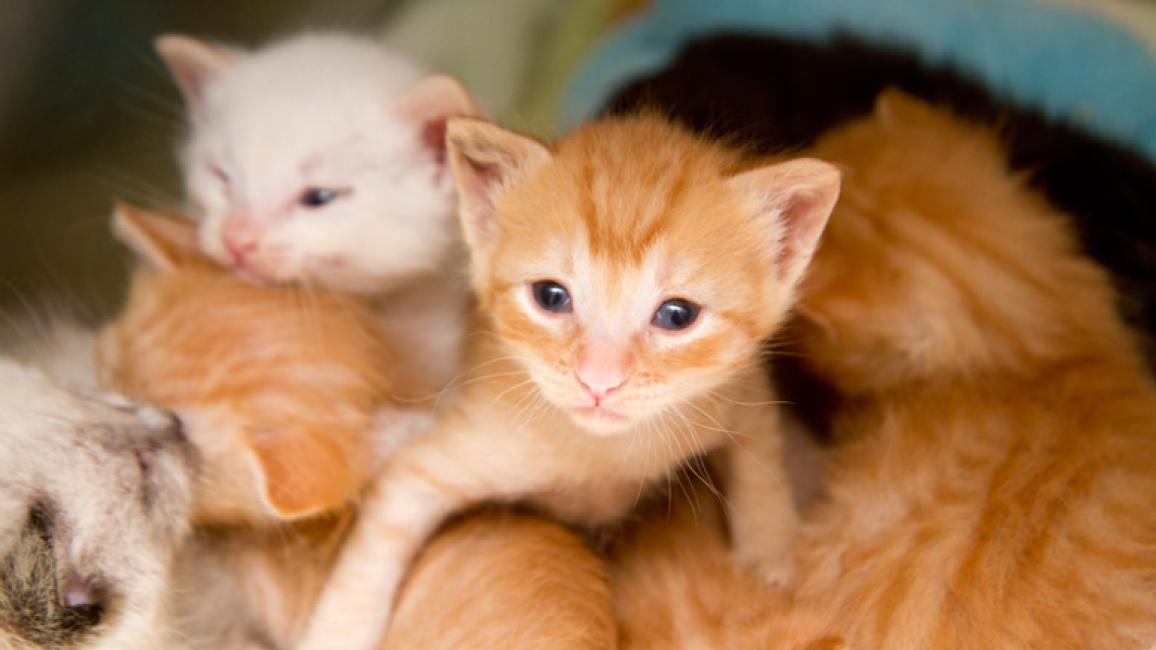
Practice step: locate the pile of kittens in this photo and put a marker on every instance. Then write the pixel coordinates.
(380, 315)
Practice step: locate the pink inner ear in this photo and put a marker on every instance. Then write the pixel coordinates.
(433, 136)
(797, 228)
(482, 180)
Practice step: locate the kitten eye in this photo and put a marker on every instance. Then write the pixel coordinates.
(676, 314)
(220, 173)
(316, 197)
(552, 297)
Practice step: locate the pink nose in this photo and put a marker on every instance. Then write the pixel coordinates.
(241, 240)
(601, 379)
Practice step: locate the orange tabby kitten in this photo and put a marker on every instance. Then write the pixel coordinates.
(627, 278)
(996, 481)
(279, 389)
(276, 385)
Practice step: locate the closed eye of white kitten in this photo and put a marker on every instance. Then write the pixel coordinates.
(320, 160)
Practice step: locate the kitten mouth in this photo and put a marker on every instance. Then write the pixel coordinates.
(600, 413)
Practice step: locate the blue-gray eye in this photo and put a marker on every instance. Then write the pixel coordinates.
(552, 297)
(676, 314)
(315, 197)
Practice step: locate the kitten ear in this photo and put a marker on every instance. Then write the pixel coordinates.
(193, 64)
(486, 159)
(431, 102)
(893, 106)
(165, 242)
(302, 473)
(793, 199)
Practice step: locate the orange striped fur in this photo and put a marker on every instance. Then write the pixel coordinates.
(626, 213)
(995, 481)
(278, 386)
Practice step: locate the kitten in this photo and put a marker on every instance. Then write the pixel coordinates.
(94, 500)
(320, 160)
(278, 387)
(993, 483)
(286, 393)
(627, 277)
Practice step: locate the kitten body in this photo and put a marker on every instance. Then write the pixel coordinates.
(320, 160)
(993, 481)
(587, 394)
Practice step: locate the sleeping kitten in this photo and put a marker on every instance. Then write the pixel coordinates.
(320, 160)
(628, 277)
(993, 486)
(276, 385)
(94, 500)
(286, 393)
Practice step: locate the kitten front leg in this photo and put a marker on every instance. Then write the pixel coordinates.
(763, 518)
(426, 481)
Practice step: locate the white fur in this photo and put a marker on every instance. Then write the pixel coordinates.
(113, 524)
(331, 111)
(315, 111)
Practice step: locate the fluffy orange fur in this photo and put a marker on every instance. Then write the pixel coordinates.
(625, 214)
(993, 486)
(278, 386)
(505, 580)
(676, 585)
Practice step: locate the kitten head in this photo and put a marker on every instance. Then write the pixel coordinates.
(633, 266)
(319, 159)
(278, 387)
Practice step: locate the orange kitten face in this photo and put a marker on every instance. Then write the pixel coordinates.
(635, 267)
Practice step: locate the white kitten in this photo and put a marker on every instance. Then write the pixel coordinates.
(321, 159)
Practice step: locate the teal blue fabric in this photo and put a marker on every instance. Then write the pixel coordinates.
(1066, 62)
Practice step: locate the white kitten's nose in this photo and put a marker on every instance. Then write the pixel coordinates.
(601, 376)
(241, 240)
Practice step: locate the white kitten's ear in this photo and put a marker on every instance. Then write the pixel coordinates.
(162, 241)
(793, 199)
(431, 102)
(193, 64)
(486, 159)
